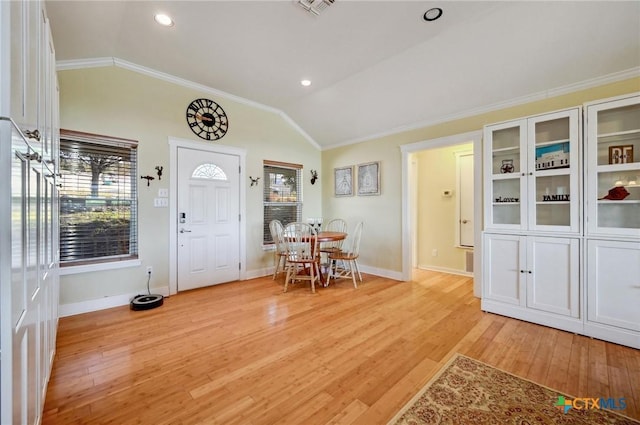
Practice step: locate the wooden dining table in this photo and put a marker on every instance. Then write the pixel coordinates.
(331, 236)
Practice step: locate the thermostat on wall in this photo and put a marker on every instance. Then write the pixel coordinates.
(447, 193)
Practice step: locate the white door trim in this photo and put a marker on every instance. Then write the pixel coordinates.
(407, 202)
(174, 144)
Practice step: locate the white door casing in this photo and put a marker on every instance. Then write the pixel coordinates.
(201, 202)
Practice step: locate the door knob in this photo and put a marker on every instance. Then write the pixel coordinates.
(465, 221)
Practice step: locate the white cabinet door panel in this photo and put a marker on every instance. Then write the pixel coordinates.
(613, 283)
(504, 260)
(553, 275)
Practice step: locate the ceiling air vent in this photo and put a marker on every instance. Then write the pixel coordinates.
(315, 6)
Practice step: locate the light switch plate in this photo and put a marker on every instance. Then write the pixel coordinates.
(163, 193)
(160, 202)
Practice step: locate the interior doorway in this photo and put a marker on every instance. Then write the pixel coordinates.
(410, 219)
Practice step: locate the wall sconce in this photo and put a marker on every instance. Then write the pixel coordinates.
(314, 176)
(254, 182)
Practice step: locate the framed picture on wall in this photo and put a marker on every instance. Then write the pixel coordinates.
(369, 179)
(343, 181)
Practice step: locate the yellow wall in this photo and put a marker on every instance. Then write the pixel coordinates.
(122, 103)
(436, 215)
(382, 238)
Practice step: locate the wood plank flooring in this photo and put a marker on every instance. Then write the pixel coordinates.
(246, 353)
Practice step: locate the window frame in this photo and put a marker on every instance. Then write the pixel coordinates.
(267, 166)
(68, 137)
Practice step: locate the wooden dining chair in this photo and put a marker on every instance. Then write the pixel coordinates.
(335, 225)
(280, 253)
(302, 254)
(348, 256)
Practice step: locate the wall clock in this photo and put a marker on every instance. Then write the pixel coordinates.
(207, 119)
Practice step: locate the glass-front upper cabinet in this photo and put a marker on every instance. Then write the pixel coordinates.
(505, 163)
(532, 178)
(613, 167)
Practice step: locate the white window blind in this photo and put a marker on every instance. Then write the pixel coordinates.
(98, 198)
(282, 194)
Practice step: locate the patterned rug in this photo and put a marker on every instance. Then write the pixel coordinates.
(466, 391)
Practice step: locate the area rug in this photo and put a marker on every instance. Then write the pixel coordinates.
(466, 391)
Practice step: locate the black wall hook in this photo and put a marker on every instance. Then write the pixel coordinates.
(159, 172)
(148, 179)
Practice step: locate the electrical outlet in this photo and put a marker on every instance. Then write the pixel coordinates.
(149, 269)
(434, 253)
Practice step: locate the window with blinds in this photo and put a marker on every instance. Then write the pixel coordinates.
(98, 198)
(282, 194)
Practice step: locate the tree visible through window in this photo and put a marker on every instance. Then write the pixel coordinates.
(98, 198)
(282, 194)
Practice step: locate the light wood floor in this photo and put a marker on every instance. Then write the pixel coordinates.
(245, 353)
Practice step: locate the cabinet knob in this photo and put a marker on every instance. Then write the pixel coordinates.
(530, 272)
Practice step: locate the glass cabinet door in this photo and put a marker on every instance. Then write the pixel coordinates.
(553, 161)
(613, 173)
(505, 162)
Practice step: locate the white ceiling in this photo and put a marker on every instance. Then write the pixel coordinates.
(376, 66)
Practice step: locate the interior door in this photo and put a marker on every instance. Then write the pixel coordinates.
(208, 202)
(465, 170)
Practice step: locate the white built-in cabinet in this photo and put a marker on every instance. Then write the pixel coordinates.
(560, 248)
(613, 164)
(612, 272)
(29, 140)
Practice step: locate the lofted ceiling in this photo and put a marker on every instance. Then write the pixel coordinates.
(376, 67)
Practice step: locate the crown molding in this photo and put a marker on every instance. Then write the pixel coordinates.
(558, 91)
(120, 63)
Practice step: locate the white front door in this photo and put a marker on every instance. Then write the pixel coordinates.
(208, 215)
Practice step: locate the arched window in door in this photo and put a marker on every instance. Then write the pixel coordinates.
(208, 172)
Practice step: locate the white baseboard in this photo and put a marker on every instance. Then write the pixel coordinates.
(446, 270)
(103, 303)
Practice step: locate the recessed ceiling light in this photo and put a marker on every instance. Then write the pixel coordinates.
(164, 20)
(305, 83)
(432, 14)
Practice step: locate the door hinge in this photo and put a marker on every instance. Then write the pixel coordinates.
(239, 217)
(239, 266)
